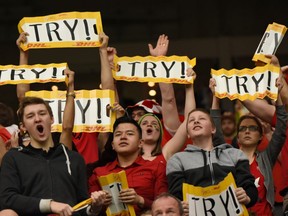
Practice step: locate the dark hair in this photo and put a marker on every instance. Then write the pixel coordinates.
(167, 195)
(31, 101)
(125, 119)
(6, 115)
(253, 118)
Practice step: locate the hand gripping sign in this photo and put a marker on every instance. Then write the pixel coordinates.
(214, 200)
(170, 69)
(72, 29)
(91, 114)
(269, 42)
(246, 83)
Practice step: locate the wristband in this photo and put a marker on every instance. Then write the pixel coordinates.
(71, 94)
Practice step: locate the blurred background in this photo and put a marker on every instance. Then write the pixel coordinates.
(219, 33)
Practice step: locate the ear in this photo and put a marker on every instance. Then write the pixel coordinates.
(260, 138)
(112, 144)
(141, 141)
(213, 130)
(22, 126)
(52, 120)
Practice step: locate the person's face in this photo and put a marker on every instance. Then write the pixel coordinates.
(150, 129)
(126, 139)
(228, 127)
(137, 113)
(248, 134)
(37, 122)
(165, 206)
(199, 125)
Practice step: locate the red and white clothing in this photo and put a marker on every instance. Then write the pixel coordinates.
(262, 207)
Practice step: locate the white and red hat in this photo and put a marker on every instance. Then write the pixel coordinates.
(148, 105)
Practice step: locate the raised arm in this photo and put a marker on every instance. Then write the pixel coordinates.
(169, 107)
(284, 91)
(107, 80)
(69, 112)
(215, 113)
(106, 57)
(190, 102)
(23, 60)
(267, 110)
(279, 135)
(176, 143)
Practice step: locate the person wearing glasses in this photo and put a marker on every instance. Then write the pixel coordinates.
(249, 135)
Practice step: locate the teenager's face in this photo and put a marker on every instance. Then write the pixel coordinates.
(126, 139)
(165, 206)
(248, 134)
(137, 113)
(150, 129)
(199, 125)
(37, 122)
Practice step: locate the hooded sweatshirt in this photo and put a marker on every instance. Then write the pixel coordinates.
(199, 167)
(31, 177)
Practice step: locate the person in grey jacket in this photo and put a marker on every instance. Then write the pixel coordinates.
(202, 164)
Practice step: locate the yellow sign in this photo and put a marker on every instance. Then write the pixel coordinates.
(91, 114)
(170, 69)
(11, 74)
(269, 42)
(246, 83)
(214, 200)
(71, 29)
(114, 183)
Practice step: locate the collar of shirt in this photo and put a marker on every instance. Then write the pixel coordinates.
(138, 162)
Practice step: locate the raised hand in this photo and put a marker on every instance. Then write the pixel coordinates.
(161, 46)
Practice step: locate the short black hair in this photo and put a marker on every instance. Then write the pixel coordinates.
(125, 119)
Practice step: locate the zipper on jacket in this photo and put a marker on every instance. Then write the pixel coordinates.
(211, 168)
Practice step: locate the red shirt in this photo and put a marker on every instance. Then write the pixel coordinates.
(86, 145)
(262, 207)
(148, 178)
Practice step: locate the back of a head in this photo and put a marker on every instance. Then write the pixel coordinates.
(6, 115)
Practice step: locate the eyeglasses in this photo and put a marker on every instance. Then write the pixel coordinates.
(250, 128)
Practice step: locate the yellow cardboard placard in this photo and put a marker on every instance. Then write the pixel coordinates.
(269, 42)
(217, 199)
(71, 29)
(17, 74)
(114, 183)
(166, 69)
(258, 82)
(91, 114)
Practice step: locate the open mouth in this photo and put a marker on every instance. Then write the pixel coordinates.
(40, 128)
(149, 131)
